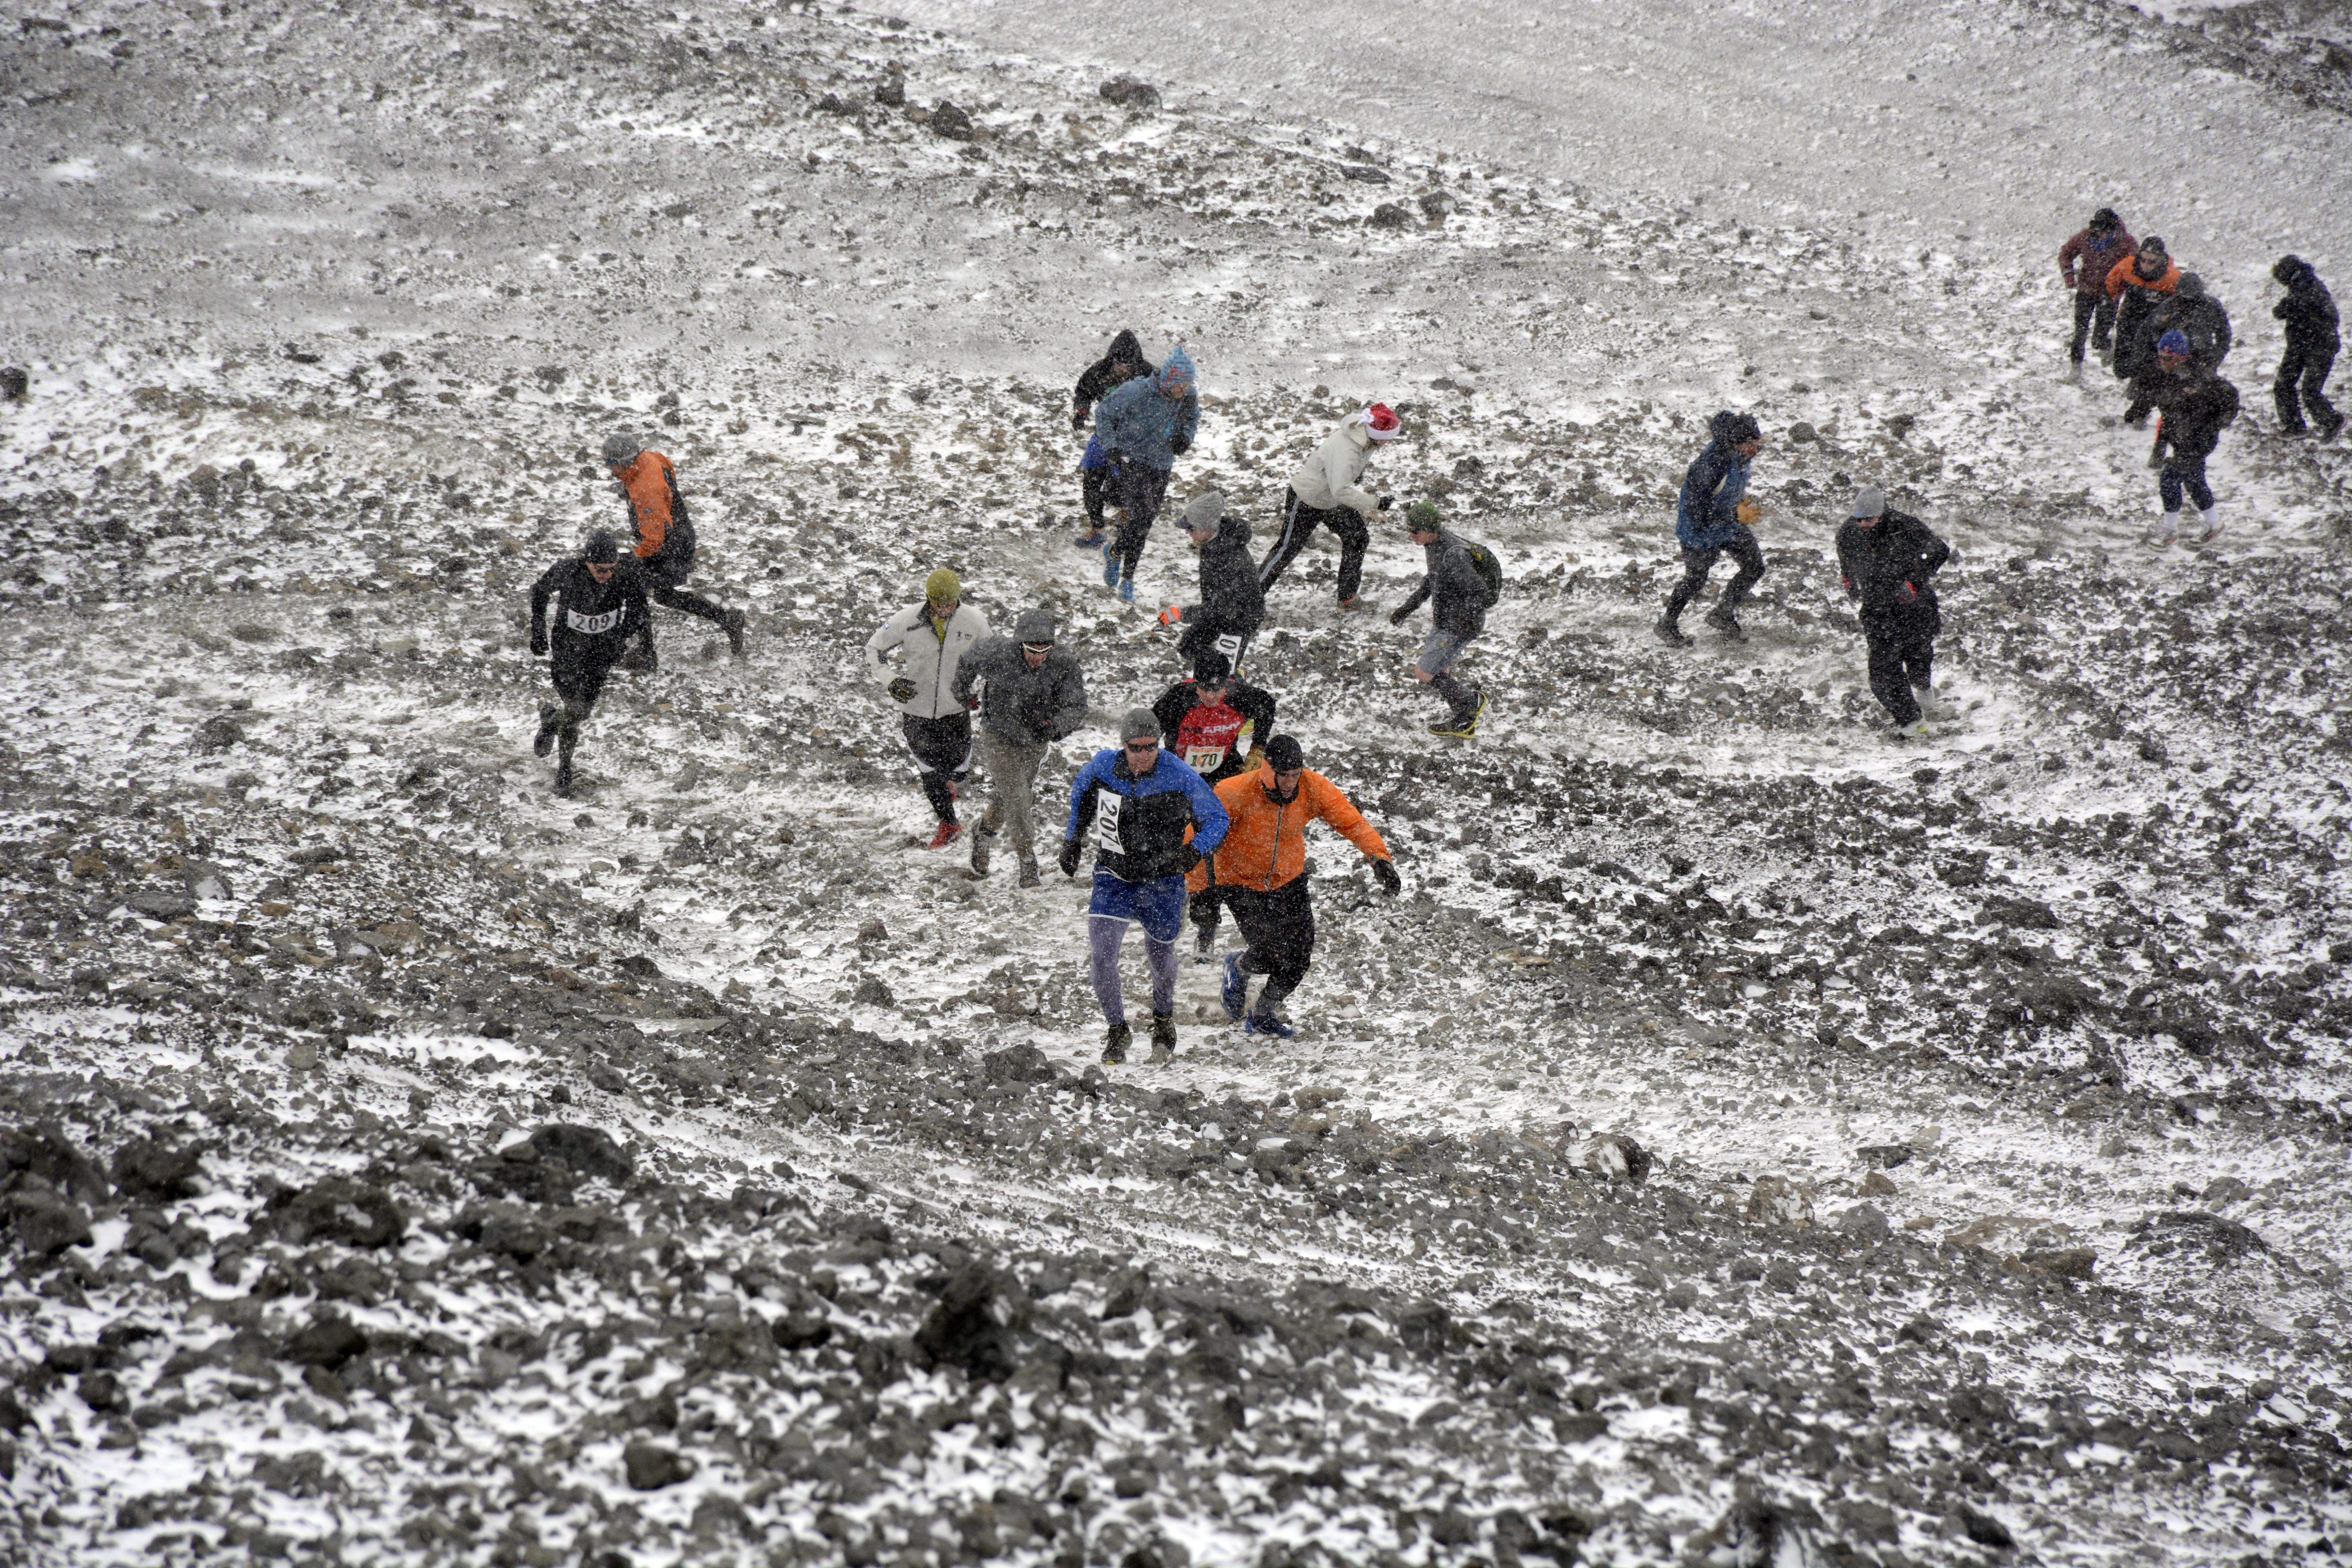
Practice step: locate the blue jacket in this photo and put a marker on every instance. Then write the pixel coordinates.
(1138, 824)
(1140, 421)
(1706, 513)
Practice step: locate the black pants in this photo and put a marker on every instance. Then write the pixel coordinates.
(2095, 318)
(664, 578)
(1902, 656)
(1697, 564)
(1094, 489)
(1138, 490)
(942, 753)
(1299, 522)
(1279, 927)
(579, 681)
(2305, 370)
(1205, 634)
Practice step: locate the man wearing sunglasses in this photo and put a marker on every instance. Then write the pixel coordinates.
(598, 608)
(1152, 819)
(1033, 695)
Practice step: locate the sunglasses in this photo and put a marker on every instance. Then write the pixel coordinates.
(1143, 745)
(1036, 647)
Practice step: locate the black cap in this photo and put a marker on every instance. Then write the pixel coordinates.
(602, 548)
(1743, 427)
(1283, 753)
(2104, 221)
(2286, 268)
(1211, 668)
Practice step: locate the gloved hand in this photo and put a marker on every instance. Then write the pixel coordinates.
(1385, 874)
(902, 690)
(1397, 615)
(1904, 594)
(539, 642)
(1172, 615)
(1748, 513)
(1180, 447)
(972, 704)
(1068, 858)
(2156, 457)
(1081, 416)
(1851, 591)
(1386, 502)
(1190, 858)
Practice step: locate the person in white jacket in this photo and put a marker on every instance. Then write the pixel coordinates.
(931, 637)
(1325, 493)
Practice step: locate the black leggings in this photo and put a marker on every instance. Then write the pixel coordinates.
(1902, 655)
(579, 682)
(1139, 491)
(1279, 927)
(664, 586)
(2090, 309)
(2304, 371)
(1299, 522)
(1697, 564)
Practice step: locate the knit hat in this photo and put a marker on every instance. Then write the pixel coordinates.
(1868, 501)
(621, 449)
(1034, 627)
(943, 587)
(1213, 668)
(2288, 268)
(1175, 377)
(1204, 511)
(2104, 221)
(1742, 428)
(1421, 517)
(2153, 245)
(2191, 287)
(2175, 343)
(603, 549)
(1380, 420)
(1138, 724)
(1283, 754)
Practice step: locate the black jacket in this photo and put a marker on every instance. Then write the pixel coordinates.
(1231, 598)
(1877, 561)
(1452, 580)
(2309, 312)
(2198, 407)
(2201, 320)
(593, 619)
(1103, 375)
(1255, 705)
(1028, 707)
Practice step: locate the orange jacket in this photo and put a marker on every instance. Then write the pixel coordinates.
(1265, 846)
(2121, 276)
(652, 484)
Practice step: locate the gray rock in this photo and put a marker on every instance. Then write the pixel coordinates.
(653, 1466)
(950, 122)
(1802, 432)
(1129, 92)
(1865, 1222)
(329, 1340)
(219, 733)
(45, 1220)
(150, 1167)
(588, 1150)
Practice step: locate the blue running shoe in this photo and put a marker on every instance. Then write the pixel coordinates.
(1126, 590)
(1090, 541)
(1236, 994)
(1268, 1023)
(1110, 562)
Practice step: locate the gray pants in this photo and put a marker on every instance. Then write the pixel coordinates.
(1012, 770)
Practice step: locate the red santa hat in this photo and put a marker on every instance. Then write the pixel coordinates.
(1380, 420)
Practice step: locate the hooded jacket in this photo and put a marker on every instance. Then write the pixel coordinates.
(1102, 376)
(1880, 559)
(932, 652)
(2198, 406)
(593, 619)
(1231, 598)
(2085, 260)
(2199, 319)
(1453, 581)
(2138, 298)
(1028, 707)
(1139, 825)
(1214, 741)
(1328, 478)
(2309, 312)
(656, 507)
(1266, 847)
(1707, 511)
(1137, 420)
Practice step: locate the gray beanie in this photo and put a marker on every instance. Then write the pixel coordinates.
(1034, 627)
(1138, 724)
(2191, 287)
(620, 447)
(1868, 501)
(1204, 511)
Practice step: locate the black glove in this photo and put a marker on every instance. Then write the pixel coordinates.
(901, 690)
(1397, 615)
(1190, 858)
(1079, 416)
(1906, 594)
(1385, 873)
(1386, 502)
(1068, 858)
(1180, 447)
(538, 642)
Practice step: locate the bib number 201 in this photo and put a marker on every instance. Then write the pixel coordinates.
(1107, 809)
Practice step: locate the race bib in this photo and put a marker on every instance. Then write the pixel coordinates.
(591, 626)
(1106, 810)
(1230, 645)
(1204, 759)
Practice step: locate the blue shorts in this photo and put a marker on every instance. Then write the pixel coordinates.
(1438, 654)
(1093, 458)
(1157, 904)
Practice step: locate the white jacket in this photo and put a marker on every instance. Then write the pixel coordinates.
(930, 658)
(1327, 480)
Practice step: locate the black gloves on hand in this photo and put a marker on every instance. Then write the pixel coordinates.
(1192, 858)
(1385, 874)
(1386, 502)
(902, 690)
(1079, 416)
(1068, 858)
(1180, 447)
(1397, 615)
(538, 642)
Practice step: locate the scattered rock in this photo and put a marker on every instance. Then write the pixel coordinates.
(1865, 1223)
(1802, 432)
(328, 1341)
(1129, 93)
(653, 1466)
(148, 1167)
(340, 1209)
(45, 1220)
(588, 1150)
(1984, 1528)
(950, 122)
(2067, 1262)
(1775, 1200)
(1617, 1157)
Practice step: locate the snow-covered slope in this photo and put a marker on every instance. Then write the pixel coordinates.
(1986, 1090)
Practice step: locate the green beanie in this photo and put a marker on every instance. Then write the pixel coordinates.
(943, 587)
(1421, 517)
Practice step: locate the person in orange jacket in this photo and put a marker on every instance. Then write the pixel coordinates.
(664, 550)
(1260, 871)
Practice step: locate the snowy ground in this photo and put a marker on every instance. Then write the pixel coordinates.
(1988, 1088)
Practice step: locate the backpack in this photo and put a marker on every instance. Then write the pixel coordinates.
(1489, 567)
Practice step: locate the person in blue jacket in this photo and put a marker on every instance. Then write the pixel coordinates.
(1714, 518)
(1135, 804)
(1143, 427)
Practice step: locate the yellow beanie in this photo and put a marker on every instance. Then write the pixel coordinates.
(943, 587)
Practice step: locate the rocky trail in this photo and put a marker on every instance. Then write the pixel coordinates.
(1748, 1135)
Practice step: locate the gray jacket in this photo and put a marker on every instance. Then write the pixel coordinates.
(1028, 707)
(1454, 581)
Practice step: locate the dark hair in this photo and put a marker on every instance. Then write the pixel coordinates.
(1743, 427)
(2289, 268)
(1213, 668)
(602, 548)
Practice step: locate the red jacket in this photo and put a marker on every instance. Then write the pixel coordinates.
(2085, 260)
